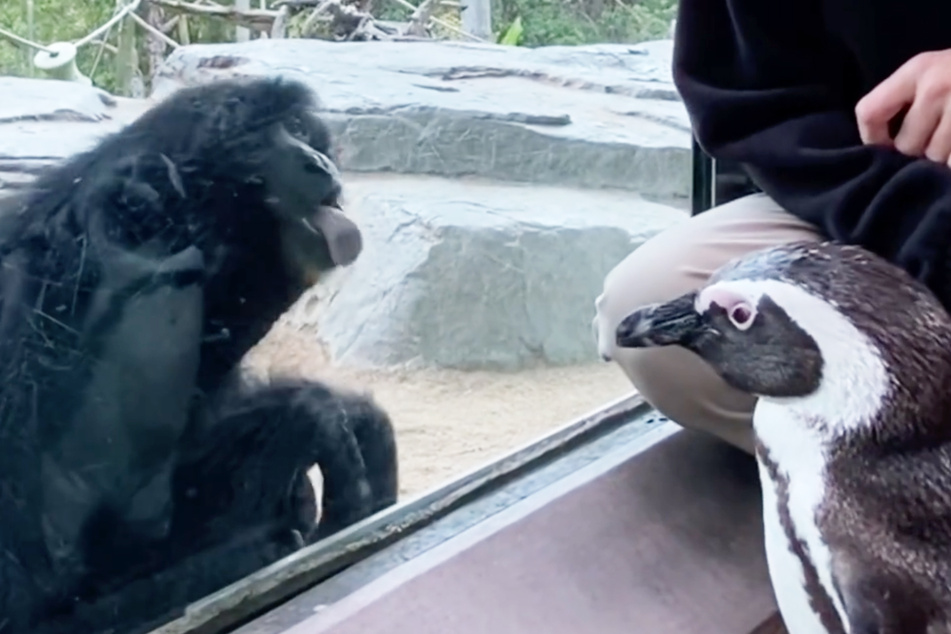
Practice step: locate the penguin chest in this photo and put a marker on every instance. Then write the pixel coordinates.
(792, 465)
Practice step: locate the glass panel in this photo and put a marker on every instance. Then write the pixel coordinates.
(238, 316)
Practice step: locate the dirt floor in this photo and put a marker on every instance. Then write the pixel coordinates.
(447, 421)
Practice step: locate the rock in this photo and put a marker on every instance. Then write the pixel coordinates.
(43, 121)
(467, 274)
(496, 186)
(589, 116)
(52, 100)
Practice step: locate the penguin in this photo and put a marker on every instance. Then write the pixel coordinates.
(850, 360)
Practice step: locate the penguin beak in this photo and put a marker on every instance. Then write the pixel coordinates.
(676, 322)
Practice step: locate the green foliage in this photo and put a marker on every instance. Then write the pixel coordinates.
(573, 22)
(55, 20)
(69, 20)
(567, 22)
(516, 22)
(513, 35)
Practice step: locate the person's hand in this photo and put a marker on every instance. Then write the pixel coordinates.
(922, 86)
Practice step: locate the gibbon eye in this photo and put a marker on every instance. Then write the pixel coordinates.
(295, 127)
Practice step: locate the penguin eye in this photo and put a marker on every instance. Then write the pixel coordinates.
(741, 315)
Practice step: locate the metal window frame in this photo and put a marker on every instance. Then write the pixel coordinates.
(703, 192)
(268, 588)
(716, 182)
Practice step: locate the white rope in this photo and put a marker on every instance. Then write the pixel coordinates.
(121, 13)
(132, 6)
(13, 37)
(154, 31)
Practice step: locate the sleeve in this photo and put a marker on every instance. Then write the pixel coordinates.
(766, 86)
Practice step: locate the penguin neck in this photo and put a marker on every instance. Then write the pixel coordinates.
(853, 392)
(874, 410)
(854, 379)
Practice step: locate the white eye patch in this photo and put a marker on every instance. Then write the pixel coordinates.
(739, 309)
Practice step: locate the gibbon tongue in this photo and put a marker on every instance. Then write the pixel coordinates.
(343, 237)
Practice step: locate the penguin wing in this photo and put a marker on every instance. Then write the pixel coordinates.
(862, 612)
(876, 602)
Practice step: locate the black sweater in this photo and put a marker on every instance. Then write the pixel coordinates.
(773, 84)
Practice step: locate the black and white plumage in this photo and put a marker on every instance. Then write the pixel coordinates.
(851, 360)
(139, 469)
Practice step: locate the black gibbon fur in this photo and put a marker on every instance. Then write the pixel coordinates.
(138, 469)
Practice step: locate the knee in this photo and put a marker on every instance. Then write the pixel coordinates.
(657, 271)
(673, 380)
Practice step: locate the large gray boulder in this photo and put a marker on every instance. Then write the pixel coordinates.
(496, 186)
(43, 121)
(592, 116)
(465, 274)
(479, 273)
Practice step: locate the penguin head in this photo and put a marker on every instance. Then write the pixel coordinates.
(825, 323)
(743, 328)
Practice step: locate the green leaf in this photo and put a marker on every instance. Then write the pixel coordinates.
(512, 34)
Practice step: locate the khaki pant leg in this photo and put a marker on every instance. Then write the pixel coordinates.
(673, 380)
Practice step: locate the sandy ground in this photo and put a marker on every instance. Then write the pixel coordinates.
(448, 421)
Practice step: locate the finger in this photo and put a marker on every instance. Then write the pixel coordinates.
(939, 147)
(919, 126)
(874, 111)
